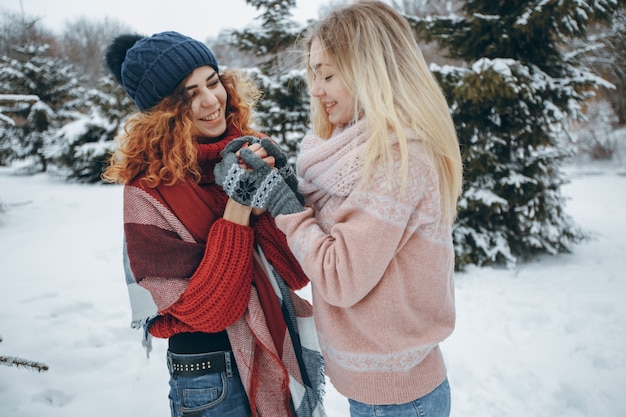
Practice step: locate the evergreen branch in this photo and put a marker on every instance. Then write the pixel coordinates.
(23, 363)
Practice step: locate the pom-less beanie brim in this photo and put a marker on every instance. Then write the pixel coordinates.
(155, 65)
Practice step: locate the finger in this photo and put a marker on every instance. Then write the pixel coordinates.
(270, 160)
(261, 153)
(267, 143)
(235, 144)
(230, 159)
(253, 160)
(255, 147)
(274, 150)
(270, 146)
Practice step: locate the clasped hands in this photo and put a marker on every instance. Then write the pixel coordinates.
(250, 180)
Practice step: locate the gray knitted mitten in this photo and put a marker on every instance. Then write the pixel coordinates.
(229, 158)
(284, 168)
(263, 187)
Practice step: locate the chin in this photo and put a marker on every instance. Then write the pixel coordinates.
(214, 133)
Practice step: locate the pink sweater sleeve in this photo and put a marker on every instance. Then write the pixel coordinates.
(368, 230)
(348, 262)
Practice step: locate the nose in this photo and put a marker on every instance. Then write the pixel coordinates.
(207, 97)
(316, 89)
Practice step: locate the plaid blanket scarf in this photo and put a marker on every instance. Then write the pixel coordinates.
(187, 269)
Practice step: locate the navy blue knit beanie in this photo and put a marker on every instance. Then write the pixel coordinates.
(150, 68)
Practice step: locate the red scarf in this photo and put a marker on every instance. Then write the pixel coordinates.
(199, 205)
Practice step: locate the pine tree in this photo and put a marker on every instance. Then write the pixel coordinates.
(604, 50)
(273, 39)
(66, 128)
(283, 112)
(81, 147)
(511, 103)
(57, 85)
(12, 106)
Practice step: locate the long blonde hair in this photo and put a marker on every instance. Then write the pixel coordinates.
(160, 143)
(381, 65)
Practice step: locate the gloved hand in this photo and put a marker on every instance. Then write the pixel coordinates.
(236, 144)
(221, 169)
(284, 168)
(263, 187)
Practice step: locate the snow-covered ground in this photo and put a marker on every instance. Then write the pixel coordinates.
(547, 338)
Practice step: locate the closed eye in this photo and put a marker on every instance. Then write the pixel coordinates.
(212, 81)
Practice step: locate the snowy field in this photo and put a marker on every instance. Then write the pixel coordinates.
(545, 339)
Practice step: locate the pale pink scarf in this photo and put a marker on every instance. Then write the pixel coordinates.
(331, 166)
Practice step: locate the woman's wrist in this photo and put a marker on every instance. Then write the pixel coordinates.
(237, 213)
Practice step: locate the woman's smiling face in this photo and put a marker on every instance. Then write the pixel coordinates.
(329, 88)
(208, 102)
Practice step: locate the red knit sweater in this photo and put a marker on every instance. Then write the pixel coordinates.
(198, 267)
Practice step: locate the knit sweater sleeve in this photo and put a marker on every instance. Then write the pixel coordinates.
(218, 291)
(195, 287)
(350, 243)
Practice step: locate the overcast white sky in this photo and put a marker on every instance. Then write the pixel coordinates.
(199, 19)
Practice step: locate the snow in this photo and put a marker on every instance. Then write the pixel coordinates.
(546, 338)
(28, 98)
(6, 120)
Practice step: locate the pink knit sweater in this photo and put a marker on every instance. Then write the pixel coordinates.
(381, 266)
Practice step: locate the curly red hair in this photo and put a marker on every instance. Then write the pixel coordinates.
(160, 144)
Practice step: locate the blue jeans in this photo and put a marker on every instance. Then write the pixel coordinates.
(435, 404)
(220, 394)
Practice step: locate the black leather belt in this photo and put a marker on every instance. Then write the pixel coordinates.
(199, 364)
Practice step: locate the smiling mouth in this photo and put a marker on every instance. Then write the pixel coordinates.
(211, 117)
(329, 105)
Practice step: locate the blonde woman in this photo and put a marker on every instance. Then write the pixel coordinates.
(381, 175)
